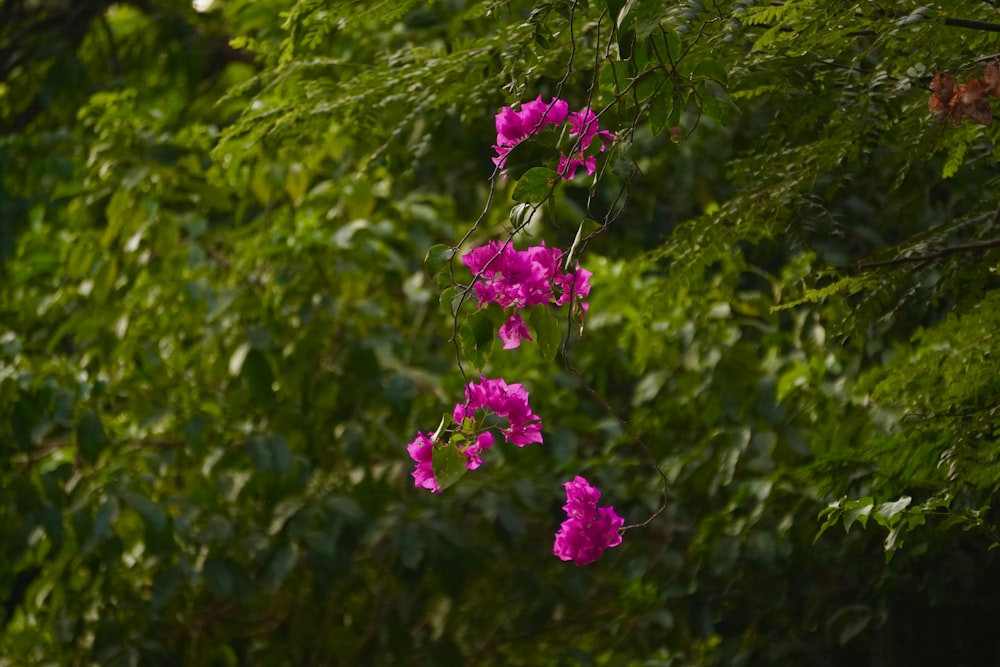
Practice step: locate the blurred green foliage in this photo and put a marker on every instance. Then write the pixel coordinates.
(218, 334)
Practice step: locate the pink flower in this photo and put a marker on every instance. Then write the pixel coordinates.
(422, 451)
(521, 278)
(583, 125)
(537, 114)
(523, 433)
(568, 166)
(513, 331)
(471, 453)
(576, 283)
(507, 401)
(588, 530)
(512, 277)
(480, 259)
(513, 127)
(510, 128)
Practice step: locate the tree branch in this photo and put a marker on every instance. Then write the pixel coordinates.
(972, 25)
(944, 252)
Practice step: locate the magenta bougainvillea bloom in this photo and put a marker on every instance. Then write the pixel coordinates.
(513, 127)
(574, 283)
(583, 127)
(513, 331)
(508, 401)
(512, 277)
(588, 529)
(472, 452)
(522, 278)
(584, 124)
(421, 450)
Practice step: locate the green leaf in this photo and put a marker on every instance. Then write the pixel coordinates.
(437, 259)
(654, 83)
(281, 456)
(893, 541)
(646, 57)
(622, 15)
(217, 576)
(217, 530)
(537, 185)
(269, 452)
(886, 512)
(520, 214)
(496, 314)
(710, 69)
(956, 158)
(281, 566)
(614, 7)
(797, 375)
(90, 436)
(448, 464)
(257, 374)
(714, 103)
(296, 181)
(476, 337)
(850, 621)
(832, 514)
(165, 585)
(152, 514)
(449, 301)
(548, 334)
(666, 44)
(51, 519)
(104, 280)
(857, 510)
(615, 76)
(660, 108)
(586, 228)
(626, 43)
(237, 359)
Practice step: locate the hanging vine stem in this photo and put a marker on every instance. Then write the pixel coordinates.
(489, 202)
(615, 210)
(564, 353)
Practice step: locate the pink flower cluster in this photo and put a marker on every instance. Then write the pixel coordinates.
(517, 279)
(522, 278)
(513, 127)
(422, 452)
(507, 401)
(588, 529)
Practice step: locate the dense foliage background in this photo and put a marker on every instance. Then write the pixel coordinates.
(218, 334)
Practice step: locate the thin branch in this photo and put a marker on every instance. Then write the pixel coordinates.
(632, 434)
(972, 25)
(944, 252)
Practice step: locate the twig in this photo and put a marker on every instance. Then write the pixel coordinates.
(972, 25)
(632, 434)
(944, 252)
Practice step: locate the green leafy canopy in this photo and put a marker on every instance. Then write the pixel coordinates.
(232, 291)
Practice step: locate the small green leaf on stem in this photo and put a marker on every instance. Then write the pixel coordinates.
(448, 464)
(437, 259)
(547, 332)
(536, 185)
